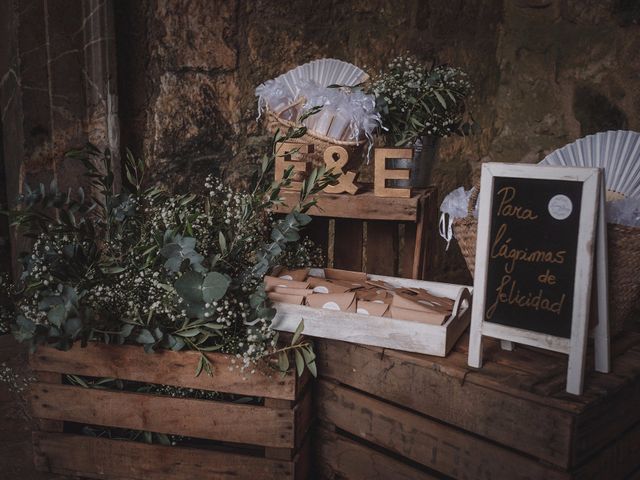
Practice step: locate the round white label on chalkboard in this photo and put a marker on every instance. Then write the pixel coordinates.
(560, 207)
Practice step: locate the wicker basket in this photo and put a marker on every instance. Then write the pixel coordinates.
(355, 149)
(623, 244)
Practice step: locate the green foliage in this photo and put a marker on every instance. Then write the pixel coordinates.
(139, 265)
(415, 101)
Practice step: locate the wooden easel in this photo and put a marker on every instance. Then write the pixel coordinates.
(593, 216)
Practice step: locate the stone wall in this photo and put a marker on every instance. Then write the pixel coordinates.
(545, 71)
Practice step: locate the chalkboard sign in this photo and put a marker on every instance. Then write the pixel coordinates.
(535, 258)
(532, 258)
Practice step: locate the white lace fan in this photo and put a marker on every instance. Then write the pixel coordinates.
(324, 72)
(618, 152)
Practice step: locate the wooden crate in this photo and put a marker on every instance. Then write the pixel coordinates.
(243, 441)
(384, 236)
(406, 335)
(392, 415)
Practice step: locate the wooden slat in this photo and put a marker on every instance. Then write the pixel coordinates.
(541, 431)
(619, 459)
(130, 362)
(606, 419)
(45, 425)
(440, 447)
(122, 460)
(179, 416)
(304, 414)
(425, 245)
(347, 245)
(406, 250)
(381, 249)
(364, 205)
(342, 458)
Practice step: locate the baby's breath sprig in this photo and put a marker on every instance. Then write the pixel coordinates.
(415, 100)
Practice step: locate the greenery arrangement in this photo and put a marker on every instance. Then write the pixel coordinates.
(140, 265)
(414, 100)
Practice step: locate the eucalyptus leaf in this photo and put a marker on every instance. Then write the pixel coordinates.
(189, 287)
(145, 337)
(57, 315)
(215, 286)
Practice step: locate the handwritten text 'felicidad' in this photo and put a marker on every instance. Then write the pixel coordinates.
(502, 247)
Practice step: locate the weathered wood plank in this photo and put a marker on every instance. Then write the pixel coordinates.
(45, 425)
(347, 245)
(155, 413)
(440, 447)
(130, 362)
(604, 420)
(406, 249)
(381, 249)
(620, 459)
(539, 430)
(364, 205)
(341, 458)
(122, 460)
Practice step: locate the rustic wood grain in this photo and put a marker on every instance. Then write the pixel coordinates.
(130, 362)
(212, 420)
(450, 451)
(44, 424)
(501, 401)
(382, 248)
(347, 244)
(453, 399)
(122, 460)
(363, 205)
(341, 458)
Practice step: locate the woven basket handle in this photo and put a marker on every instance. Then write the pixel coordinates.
(473, 199)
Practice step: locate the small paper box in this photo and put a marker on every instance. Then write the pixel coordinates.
(320, 285)
(380, 285)
(345, 275)
(420, 300)
(344, 302)
(285, 298)
(432, 318)
(373, 295)
(371, 308)
(273, 282)
(303, 292)
(297, 275)
(348, 284)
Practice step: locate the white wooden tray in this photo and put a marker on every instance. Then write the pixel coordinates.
(382, 331)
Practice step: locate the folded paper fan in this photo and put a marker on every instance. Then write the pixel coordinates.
(616, 151)
(323, 72)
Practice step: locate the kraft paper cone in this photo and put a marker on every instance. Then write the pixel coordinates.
(284, 298)
(273, 282)
(344, 302)
(320, 285)
(432, 318)
(371, 308)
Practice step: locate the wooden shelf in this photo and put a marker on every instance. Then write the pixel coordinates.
(364, 205)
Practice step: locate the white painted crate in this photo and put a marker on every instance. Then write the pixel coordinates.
(409, 336)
